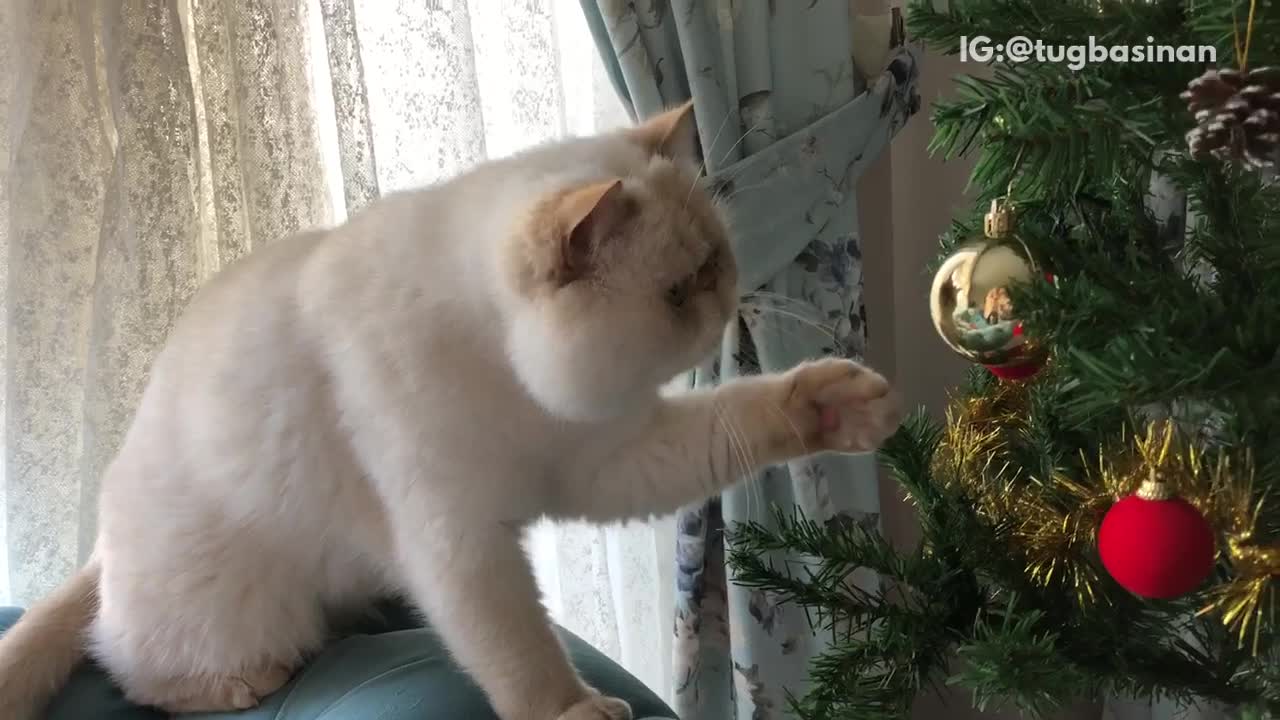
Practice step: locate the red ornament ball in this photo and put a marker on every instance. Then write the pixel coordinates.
(1027, 366)
(1017, 371)
(1156, 545)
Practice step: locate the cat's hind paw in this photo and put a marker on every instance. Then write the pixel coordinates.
(598, 707)
(210, 693)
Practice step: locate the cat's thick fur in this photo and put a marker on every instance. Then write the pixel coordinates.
(382, 407)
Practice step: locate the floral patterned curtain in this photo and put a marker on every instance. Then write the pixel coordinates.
(787, 125)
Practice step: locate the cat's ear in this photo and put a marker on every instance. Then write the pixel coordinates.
(672, 134)
(586, 218)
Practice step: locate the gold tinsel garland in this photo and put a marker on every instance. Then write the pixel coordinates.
(1247, 600)
(1055, 519)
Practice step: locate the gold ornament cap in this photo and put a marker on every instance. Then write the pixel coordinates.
(1153, 489)
(998, 222)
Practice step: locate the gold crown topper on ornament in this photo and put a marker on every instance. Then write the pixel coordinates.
(970, 302)
(1237, 115)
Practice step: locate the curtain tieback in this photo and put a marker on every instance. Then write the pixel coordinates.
(781, 197)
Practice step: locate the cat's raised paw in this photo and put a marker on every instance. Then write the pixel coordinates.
(598, 707)
(841, 405)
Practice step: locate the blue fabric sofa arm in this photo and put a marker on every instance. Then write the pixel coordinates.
(390, 668)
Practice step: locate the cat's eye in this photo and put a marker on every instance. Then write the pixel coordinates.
(678, 294)
(709, 274)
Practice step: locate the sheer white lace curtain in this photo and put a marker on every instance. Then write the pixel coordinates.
(148, 144)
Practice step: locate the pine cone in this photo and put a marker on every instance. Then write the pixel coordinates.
(1237, 115)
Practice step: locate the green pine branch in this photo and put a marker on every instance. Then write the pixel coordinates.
(1215, 23)
(1065, 22)
(1012, 660)
(1055, 130)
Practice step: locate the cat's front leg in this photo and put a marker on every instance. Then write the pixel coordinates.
(476, 586)
(695, 445)
(456, 555)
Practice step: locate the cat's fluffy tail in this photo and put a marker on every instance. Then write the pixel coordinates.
(38, 653)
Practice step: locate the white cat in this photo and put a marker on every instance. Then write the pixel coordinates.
(382, 407)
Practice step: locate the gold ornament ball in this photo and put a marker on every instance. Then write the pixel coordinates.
(970, 301)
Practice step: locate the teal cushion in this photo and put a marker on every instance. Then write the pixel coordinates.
(389, 668)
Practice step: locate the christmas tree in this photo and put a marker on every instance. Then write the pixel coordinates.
(1101, 508)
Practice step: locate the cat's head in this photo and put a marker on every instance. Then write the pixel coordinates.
(623, 281)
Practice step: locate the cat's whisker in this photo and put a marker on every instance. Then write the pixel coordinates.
(731, 435)
(748, 451)
(727, 153)
(759, 489)
(766, 301)
(724, 123)
(717, 414)
(774, 296)
(745, 456)
(751, 486)
(738, 191)
(794, 429)
(735, 145)
(754, 486)
(751, 455)
(802, 331)
(702, 171)
(827, 330)
(744, 467)
(837, 348)
(733, 176)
